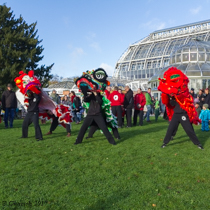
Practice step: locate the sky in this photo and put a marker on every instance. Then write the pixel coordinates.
(80, 35)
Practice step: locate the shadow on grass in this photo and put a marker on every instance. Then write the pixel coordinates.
(108, 202)
(127, 133)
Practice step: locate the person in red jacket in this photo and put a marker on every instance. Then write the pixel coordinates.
(107, 91)
(139, 102)
(122, 107)
(116, 102)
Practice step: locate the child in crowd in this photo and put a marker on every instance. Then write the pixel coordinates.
(157, 109)
(205, 118)
(198, 108)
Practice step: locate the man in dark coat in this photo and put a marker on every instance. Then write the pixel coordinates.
(201, 98)
(128, 104)
(207, 97)
(192, 93)
(9, 105)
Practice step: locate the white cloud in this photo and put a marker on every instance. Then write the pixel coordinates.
(196, 10)
(155, 24)
(109, 69)
(78, 51)
(95, 46)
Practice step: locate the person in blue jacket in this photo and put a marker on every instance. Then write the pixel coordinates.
(205, 118)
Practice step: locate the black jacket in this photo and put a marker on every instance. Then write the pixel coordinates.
(9, 99)
(95, 104)
(76, 103)
(201, 102)
(128, 101)
(34, 103)
(177, 108)
(207, 100)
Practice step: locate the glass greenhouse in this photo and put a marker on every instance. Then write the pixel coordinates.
(187, 47)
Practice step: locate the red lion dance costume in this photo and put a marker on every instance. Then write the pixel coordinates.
(179, 104)
(29, 83)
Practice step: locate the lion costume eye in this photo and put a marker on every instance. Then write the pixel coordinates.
(174, 76)
(100, 75)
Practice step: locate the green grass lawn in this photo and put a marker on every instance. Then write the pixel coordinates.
(94, 175)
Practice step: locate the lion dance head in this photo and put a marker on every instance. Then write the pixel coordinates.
(28, 82)
(95, 80)
(175, 84)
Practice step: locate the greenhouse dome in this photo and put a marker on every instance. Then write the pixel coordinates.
(194, 60)
(186, 47)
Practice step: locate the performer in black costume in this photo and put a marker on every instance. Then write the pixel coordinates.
(180, 116)
(32, 116)
(94, 114)
(94, 127)
(55, 124)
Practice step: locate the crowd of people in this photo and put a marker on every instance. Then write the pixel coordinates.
(70, 100)
(135, 106)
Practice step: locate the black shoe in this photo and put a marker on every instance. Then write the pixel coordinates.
(40, 139)
(89, 137)
(114, 143)
(22, 137)
(118, 138)
(172, 138)
(200, 146)
(76, 143)
(164, 145)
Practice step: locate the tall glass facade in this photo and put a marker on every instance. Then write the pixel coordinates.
(144, 59)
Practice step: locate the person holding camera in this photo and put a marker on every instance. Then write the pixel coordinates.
(139, 103)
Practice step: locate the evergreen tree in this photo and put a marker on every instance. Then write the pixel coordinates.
(20, 49)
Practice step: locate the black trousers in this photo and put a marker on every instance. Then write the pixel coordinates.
(99, 120)
(185, 122)
(137, 113)
(118, 110)
(94, 127)
(31, 117)
(128, 117)
(55, 124)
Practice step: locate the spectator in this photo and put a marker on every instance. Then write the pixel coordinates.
(55, 97)
(116, 101)
(207, 97)
(123, 110)
(128, 104)
(201, 98)
(205, 118)
(162, 106)
(153, 105)
(193, 93)
(157, 109)
(72, 95)
(139, 103)
(148, 104)
(107, 91)
(9, 105)
(76, 106)
(198, 108)
(66, 101)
